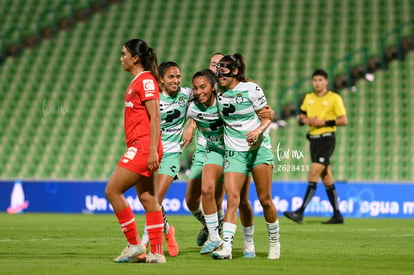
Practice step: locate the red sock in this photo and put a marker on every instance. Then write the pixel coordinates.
(127, 221)
(155, 227)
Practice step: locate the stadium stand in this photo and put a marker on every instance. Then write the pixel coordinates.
(61, 102)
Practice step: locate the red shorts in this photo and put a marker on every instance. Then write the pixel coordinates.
(136, 157)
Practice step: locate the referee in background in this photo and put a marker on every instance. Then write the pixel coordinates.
(322, 110)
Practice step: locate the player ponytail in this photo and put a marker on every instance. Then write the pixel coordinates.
(147, 56)
(234, 61)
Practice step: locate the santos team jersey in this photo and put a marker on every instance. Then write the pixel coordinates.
(173, 110)
(238, 108)
(209, 124)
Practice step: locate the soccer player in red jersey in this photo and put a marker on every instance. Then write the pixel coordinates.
(136, 167)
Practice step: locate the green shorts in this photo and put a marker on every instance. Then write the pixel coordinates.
(214, 157)
(170, 164)
(244, 162)
(197, 163)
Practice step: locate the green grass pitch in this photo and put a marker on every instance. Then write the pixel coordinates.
(86, 244)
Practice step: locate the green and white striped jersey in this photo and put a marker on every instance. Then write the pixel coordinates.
(237, 108)
(209, 124)
(201, 140)
(173, 110)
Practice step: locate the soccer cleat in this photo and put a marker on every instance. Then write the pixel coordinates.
(202, 236)
(274, 251)
(335, 220)
(130, 252)
(141, 258)
(249, 251)
(155, 258)
(211, 246)
(172, 244)
(294, 216)
(222, 253)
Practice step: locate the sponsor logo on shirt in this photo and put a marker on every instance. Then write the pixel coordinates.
(148, 85)
(129, 104)
(131, 152)
(236, 125)
(262, 100)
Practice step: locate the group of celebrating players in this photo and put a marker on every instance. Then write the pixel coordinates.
(231, 116)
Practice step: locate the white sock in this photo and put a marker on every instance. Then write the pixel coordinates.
(212, 226)
(145, 238)
(273, 230)
(248, 233)
(229, 230)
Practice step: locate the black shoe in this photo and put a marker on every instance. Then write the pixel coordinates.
(335, 220)
(294, 216)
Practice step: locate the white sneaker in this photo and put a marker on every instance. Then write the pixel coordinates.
(249, 251)
(274, 251)
(222, 253)
(155, 258)
(130, 252)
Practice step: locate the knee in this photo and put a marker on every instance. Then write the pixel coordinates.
(110, 192)
(266, 201)
(244, 204)
(207, 191)
(148, 201)
(233, 201)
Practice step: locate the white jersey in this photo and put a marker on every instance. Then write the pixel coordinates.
(173, 110)
(209, 124)
(201, 140)
(238, 108)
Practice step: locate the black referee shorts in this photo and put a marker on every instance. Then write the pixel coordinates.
(322, 148)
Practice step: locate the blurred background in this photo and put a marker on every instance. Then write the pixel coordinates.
(62, 87)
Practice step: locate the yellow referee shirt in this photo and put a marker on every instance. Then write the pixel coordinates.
(326, 107)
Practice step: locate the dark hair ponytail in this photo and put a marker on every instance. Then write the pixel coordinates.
(147, 55)
(236, 61)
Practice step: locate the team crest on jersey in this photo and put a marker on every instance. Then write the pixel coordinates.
(226, 164)
(181, 101)
(239, 98)
(148, 85)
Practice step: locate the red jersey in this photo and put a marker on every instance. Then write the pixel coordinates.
(136, 119)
